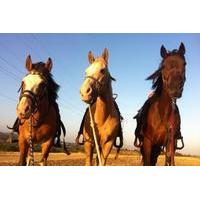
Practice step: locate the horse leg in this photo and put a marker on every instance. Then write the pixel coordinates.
(106, 149)
(88, 146)
(23, 149)
(97, 160)
(45, 152)
(155, 152)
(147, 152)
(170, 152)
(28, 158)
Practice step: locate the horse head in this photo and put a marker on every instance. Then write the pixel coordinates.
(97, 77)
(33, 87)
(173, 70)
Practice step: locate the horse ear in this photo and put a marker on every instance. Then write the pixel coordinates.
(163, 51)
(105, 55)
(181, 49)
(28, 63)
(91, 58)
(49, 64)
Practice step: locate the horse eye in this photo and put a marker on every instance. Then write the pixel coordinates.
(103, 71)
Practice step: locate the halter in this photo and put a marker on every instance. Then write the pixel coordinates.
(97, 82)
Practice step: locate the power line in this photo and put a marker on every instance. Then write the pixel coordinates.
(12, 53)
(9, 74)
(11, 65)
(29, 47)
(39, 43)
(7, 97)
(47, 52)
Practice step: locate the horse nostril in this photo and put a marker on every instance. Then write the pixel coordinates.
(88, 91)
(27, 109)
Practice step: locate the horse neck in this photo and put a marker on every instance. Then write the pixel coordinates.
(104, 105)
(164, 103)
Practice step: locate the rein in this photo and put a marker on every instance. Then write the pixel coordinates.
(31, 160)
(95, 136)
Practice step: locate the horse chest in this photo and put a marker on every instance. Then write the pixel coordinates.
(108, 128)
(39, 134)
(160, 133)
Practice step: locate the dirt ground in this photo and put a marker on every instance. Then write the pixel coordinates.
(77, 159)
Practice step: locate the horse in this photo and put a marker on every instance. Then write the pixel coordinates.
(159, 121)
(38, 113)
(96, 90)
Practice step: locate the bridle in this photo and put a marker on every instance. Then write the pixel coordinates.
(34, 98)
(99, 85)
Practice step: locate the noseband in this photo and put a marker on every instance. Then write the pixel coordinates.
(98, 84)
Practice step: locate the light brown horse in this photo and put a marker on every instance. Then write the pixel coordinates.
(160, 120)
(37, 111)
(96, 90)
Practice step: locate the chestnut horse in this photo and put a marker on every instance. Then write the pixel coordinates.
(160, 118)
(37, 111)
(96, 90)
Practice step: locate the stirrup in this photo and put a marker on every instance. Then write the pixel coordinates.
(77, 140)
(137, 142)
(115, 96)
(182, 144)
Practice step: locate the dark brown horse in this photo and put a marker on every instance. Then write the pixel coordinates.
(37, 111)
(160, 119)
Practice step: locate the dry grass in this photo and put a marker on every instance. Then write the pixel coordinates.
(127, 158)
(9, 155)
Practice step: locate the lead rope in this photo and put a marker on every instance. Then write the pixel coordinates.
(95, 137)
(31, 160)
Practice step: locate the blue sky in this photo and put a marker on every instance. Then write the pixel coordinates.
(132, 58)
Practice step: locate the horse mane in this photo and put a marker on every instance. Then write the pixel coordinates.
(52, 86)
(157, 81)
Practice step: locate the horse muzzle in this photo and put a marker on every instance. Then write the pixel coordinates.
(176, 93)
(89, 99)
(24, 110)
(88, 94)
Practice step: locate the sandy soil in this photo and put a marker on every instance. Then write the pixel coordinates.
(77, 159)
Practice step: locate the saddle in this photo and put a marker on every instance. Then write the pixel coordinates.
(141, 120)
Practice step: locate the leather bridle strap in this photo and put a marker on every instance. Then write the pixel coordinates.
(96, 81)
(29, 94)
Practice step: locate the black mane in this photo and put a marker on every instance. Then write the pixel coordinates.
(52, 86)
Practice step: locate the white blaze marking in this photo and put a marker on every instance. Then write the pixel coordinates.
(32, 82)
(94, 68)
